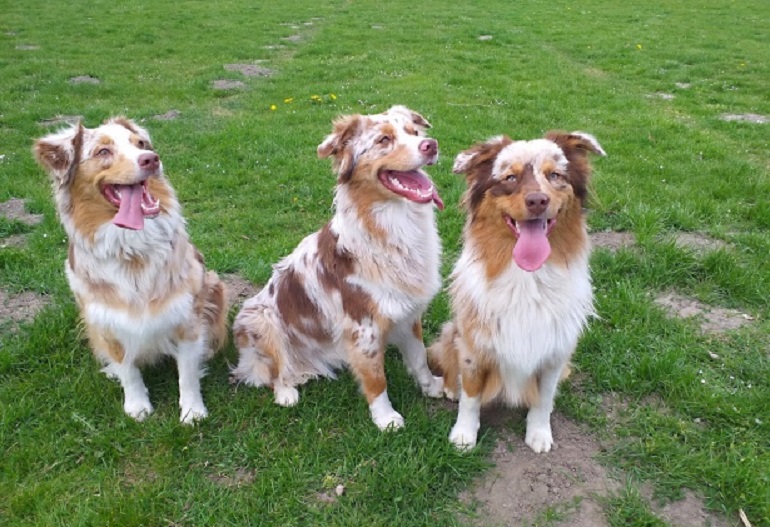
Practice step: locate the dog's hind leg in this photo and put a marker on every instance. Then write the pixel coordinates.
(407, 335)
(190, 357)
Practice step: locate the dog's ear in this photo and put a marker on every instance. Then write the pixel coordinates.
(416, 118)
(130, 125)
(337, 145)
(59, 153)
(576, 146)
(479, 155)
(576, 142)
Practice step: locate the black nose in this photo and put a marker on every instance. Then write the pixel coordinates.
(537, 202)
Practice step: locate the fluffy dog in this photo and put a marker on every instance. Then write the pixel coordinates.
(521, 289)
(141, 286)
(363, 280)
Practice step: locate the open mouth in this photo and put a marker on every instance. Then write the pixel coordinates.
(532, 248)
(134, 203)
(414, 185)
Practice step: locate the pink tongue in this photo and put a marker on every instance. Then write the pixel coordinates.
(130, 214)
(437, 200)
(532, 248)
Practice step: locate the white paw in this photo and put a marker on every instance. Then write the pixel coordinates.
(463, 438)
(192, 413)
(452, 396)
(286, 395)
(539, 439)
(138, 409)
(435, 388)
(388, 421)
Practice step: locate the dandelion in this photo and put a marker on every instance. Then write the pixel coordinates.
(334, 97)
(288, 100)
(315, 97)
(273, 107)
(638, 46)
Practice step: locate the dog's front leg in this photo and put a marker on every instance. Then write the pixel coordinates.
(539, 436)
(407, 335)
(120, 366)
(366, 355)
(189, 359)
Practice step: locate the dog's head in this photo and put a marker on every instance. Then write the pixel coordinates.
(107, 171)
(528, 186)
(383, 154)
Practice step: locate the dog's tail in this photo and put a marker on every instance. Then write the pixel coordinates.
(215, 311)
(442, 357)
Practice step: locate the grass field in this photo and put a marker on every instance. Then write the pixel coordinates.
(652, 80)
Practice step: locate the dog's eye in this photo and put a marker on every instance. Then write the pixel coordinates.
(510, 177)
(142, 144)
(553, 176)
(384, 140)
(103, 152)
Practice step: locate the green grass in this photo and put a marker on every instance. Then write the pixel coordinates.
(252, 187)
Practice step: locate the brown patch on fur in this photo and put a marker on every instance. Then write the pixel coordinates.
(104, 342)
(71, 257)
(417, 330)
(126, 123)
(345, 129)
(297, 308)
(215, 310)
(370, 371)
(576, 150)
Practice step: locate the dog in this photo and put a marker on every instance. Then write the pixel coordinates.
(521, 289)
(363, 280)
(141, 286)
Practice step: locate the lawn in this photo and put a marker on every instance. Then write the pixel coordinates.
(672, 90)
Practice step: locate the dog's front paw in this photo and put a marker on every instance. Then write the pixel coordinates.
(450, 394)
(138, 409)
(435, 388)
(191, 414)
(389, 421)
(463, 438)
(539, 439)
(286, 395)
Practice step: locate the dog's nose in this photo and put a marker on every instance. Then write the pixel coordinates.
(537, 202)
(149, 161)
(429, 147)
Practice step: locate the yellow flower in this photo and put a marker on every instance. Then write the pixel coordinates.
(287, 101)
(315, 97)
(638, 46)
(273, 107)
(334, 97)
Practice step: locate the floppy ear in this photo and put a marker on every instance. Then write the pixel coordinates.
(576, 146)
(469, 161)
(581, 142)
(59, 153)
(416, 118)
(336, 144)
(130, 125)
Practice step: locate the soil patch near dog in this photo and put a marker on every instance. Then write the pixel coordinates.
(23, 307)
(250, 70)
(27, 47)
(61, 119)
(84, 79)
(612, 241)
(698, 241)
(523, 484)
(16, 240)
(238, 289)
(293, 38)
(713, 319)
(746, 117)
(168, 116)
(13, 209)
(226, 84)
(241, 476)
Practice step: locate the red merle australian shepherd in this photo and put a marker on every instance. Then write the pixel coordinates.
(363, 280)
(521, 289)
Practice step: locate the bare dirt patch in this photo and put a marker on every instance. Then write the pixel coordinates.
(27, 47)
(698, 241)
(683, 85)
(523, 485)
(227, 84)
(238, 289)
(84, 79)
(250, 70)
(13, 209)
(612, 241)
(23, 307)
(61, 119)
(16, 240)
(485, 37)
(746, 117)
(712, 319)
(293, 38)
(690, 512)
(664, 96)
(168, 116)
(241, 476)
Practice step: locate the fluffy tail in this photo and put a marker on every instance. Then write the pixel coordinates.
(215, 311)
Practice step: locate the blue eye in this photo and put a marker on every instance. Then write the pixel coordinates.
(510, 177)
(553, 176)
